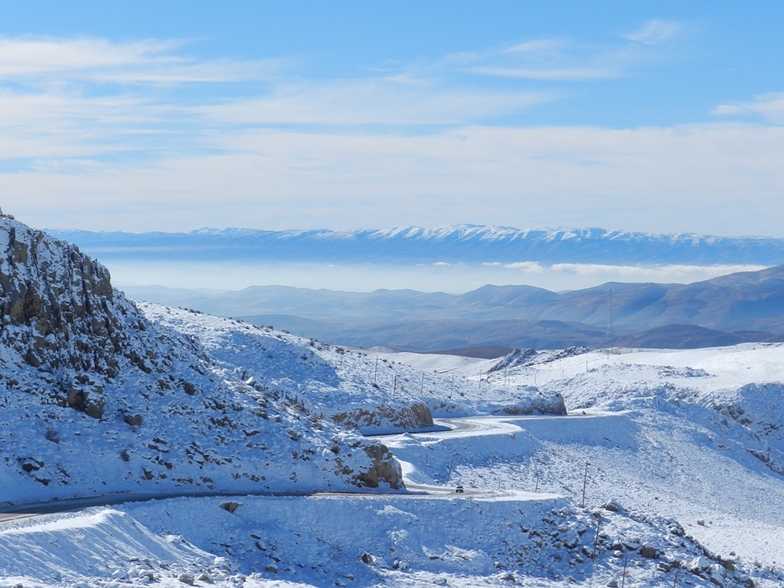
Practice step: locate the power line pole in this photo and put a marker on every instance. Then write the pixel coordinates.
(585, 483)
(610, 335)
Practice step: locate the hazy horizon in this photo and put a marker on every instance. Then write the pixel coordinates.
(451, 279)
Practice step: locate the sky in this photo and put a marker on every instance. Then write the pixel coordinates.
(662, 116)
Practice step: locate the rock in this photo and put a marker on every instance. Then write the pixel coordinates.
(699, 564)
(186, 579)
(230, 506)
(416, 417)
(205, 578)
(676, 529)
(368, 559)
(649, 552)
(134, 420)
(612, 505)
(272, 569)
(663, 567)
(384, 469)
(570, 540)
(77, 400)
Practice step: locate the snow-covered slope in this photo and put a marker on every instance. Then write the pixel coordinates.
(677, 492)
(99, 399)
(359, 389)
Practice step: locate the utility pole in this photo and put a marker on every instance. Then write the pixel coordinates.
(625, 562)
(394, 386)
(585, 482)
(610, 336)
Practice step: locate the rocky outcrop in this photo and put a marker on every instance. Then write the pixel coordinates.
(384, 469)
(385, 419)
(539, 402)
(58, 311)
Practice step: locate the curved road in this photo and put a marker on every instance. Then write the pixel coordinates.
(456, 426)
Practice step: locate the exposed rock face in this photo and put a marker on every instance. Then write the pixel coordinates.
(59, 313)
(57, 306)
(384, 469)
(539, 403)
(416, 417)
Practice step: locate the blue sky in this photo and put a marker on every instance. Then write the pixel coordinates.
(650, 116)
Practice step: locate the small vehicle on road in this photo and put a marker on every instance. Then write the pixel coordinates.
(459, 489)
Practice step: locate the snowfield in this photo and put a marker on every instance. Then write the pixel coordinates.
(147, 445)
(670, 473)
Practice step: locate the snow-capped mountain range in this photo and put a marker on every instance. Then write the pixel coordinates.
(450, 244)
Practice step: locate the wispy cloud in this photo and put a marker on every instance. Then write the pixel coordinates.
(374, 101)
(558, 59)
(654, 32)
(686, 178)
(769, 106)
(103, 61)
(574, 74)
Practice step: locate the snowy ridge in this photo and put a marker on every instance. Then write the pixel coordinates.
(452, 243)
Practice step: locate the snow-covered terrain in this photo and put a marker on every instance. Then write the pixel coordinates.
(679, 476)
(207, 451)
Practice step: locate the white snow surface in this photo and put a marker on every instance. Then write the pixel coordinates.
(684, 443)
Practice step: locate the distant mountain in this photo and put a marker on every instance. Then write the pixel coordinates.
(732, 309)
(451, 244)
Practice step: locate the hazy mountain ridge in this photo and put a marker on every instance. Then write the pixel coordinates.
(736, 308)
(450, 244)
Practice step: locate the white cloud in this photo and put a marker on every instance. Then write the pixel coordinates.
(528, 267)
(566, 60)
(651, 179)
(102, 61)
(379, 101)
(769, 106)
(654, 32)
(574, 74)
